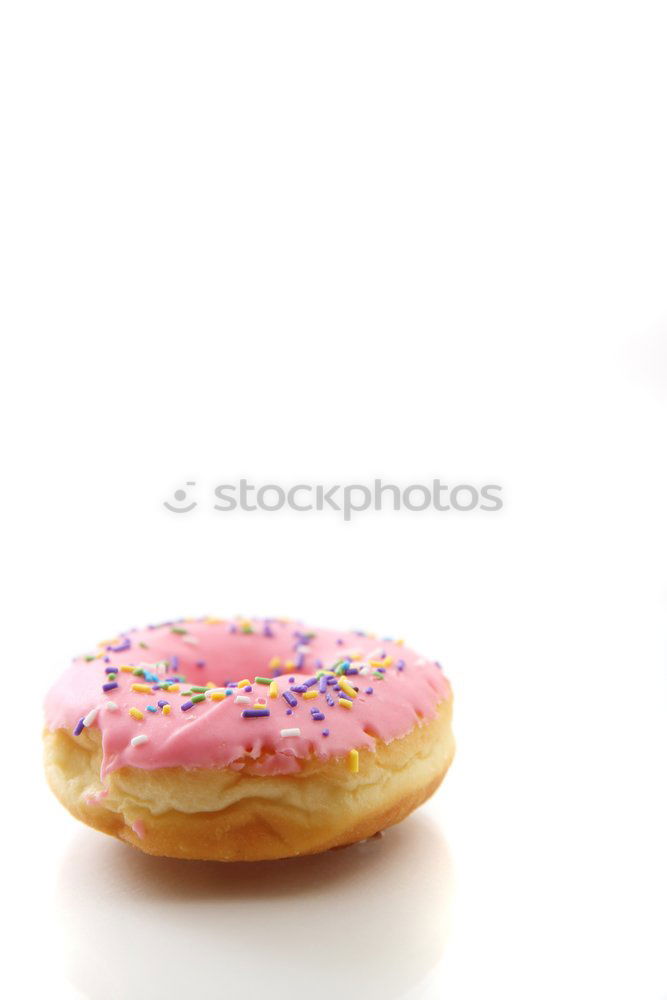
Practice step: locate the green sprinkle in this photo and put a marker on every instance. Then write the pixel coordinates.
(262, 680)
(89, 658)
(180, 631)
(247, 630)
(198, 697)
(198, 688)
(139, 672)
(143, 645)
(112, 677)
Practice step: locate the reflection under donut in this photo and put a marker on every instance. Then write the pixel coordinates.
(370, 920)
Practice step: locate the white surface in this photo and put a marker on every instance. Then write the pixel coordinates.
(309, 242)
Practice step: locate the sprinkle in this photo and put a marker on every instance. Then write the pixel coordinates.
(274, 662)
(198, 688)
(289, 698)
(186, 705)
(151, 708)
(111, 706)
(273, 689)
(353, 761)
(369, 690)
(78, 728)
(322, 684)
(325, 732)
(243, 683)
(310, 694)
(142, 688)
(290, 732)
(110, 686)
(166, 708)
(344, 703)
(242, 699)
(347, 688)
(317, 716)
(136, 714)
(263, 680)
(162, 703)
(217, 695)
(255, 713)
(136, 741)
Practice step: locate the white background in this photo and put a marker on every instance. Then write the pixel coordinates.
(328, 242)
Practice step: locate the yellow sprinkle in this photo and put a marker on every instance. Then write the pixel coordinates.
(310, 694)
(347, 687)
(344, 703)
(166, 709)
(107, 642)
(273, 689)
(399, 642)
(353, 761)
(388, 660)
(142, 688)
(127, 670)
(289, 664)
(242, 684)
(217, 695)
(259, 704)
(174, 687)
(136, 714)
(275, 662)
(210, 684)
(214, 621)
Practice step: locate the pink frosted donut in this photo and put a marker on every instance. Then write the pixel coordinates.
(246, 739)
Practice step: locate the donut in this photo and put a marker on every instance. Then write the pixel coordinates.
(246, 739)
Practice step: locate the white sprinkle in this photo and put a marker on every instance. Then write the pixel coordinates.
(136, 741)
(242, 699)
(111, 706)
(290, 732)
(364, 670)
(90, 718)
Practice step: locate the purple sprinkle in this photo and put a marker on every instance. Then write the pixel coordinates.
(110, 686)
(288, 712)
(330, 700)
(255, 713)
(299, 688)
(200, 663)
(186, 705)
(162, 703)
(121, 647)
(248, 687)
(79, 726)
(300, 660)
(267, 629)
(107, 659)
(289, 698)
(290, 680)
(318, 716)
(325, 732)
(332, 680)
(322, 686)
(400, 664)
(339, 642)
(110, 670)
(369, 690)
(309, 683)
(352, 670)
(173, 663)
(318, 664)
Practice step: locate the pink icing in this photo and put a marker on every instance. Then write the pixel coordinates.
(215, 733)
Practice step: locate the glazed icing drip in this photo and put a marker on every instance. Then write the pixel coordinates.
(340, 690)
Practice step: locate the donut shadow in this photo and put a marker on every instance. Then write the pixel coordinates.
(370, 920)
